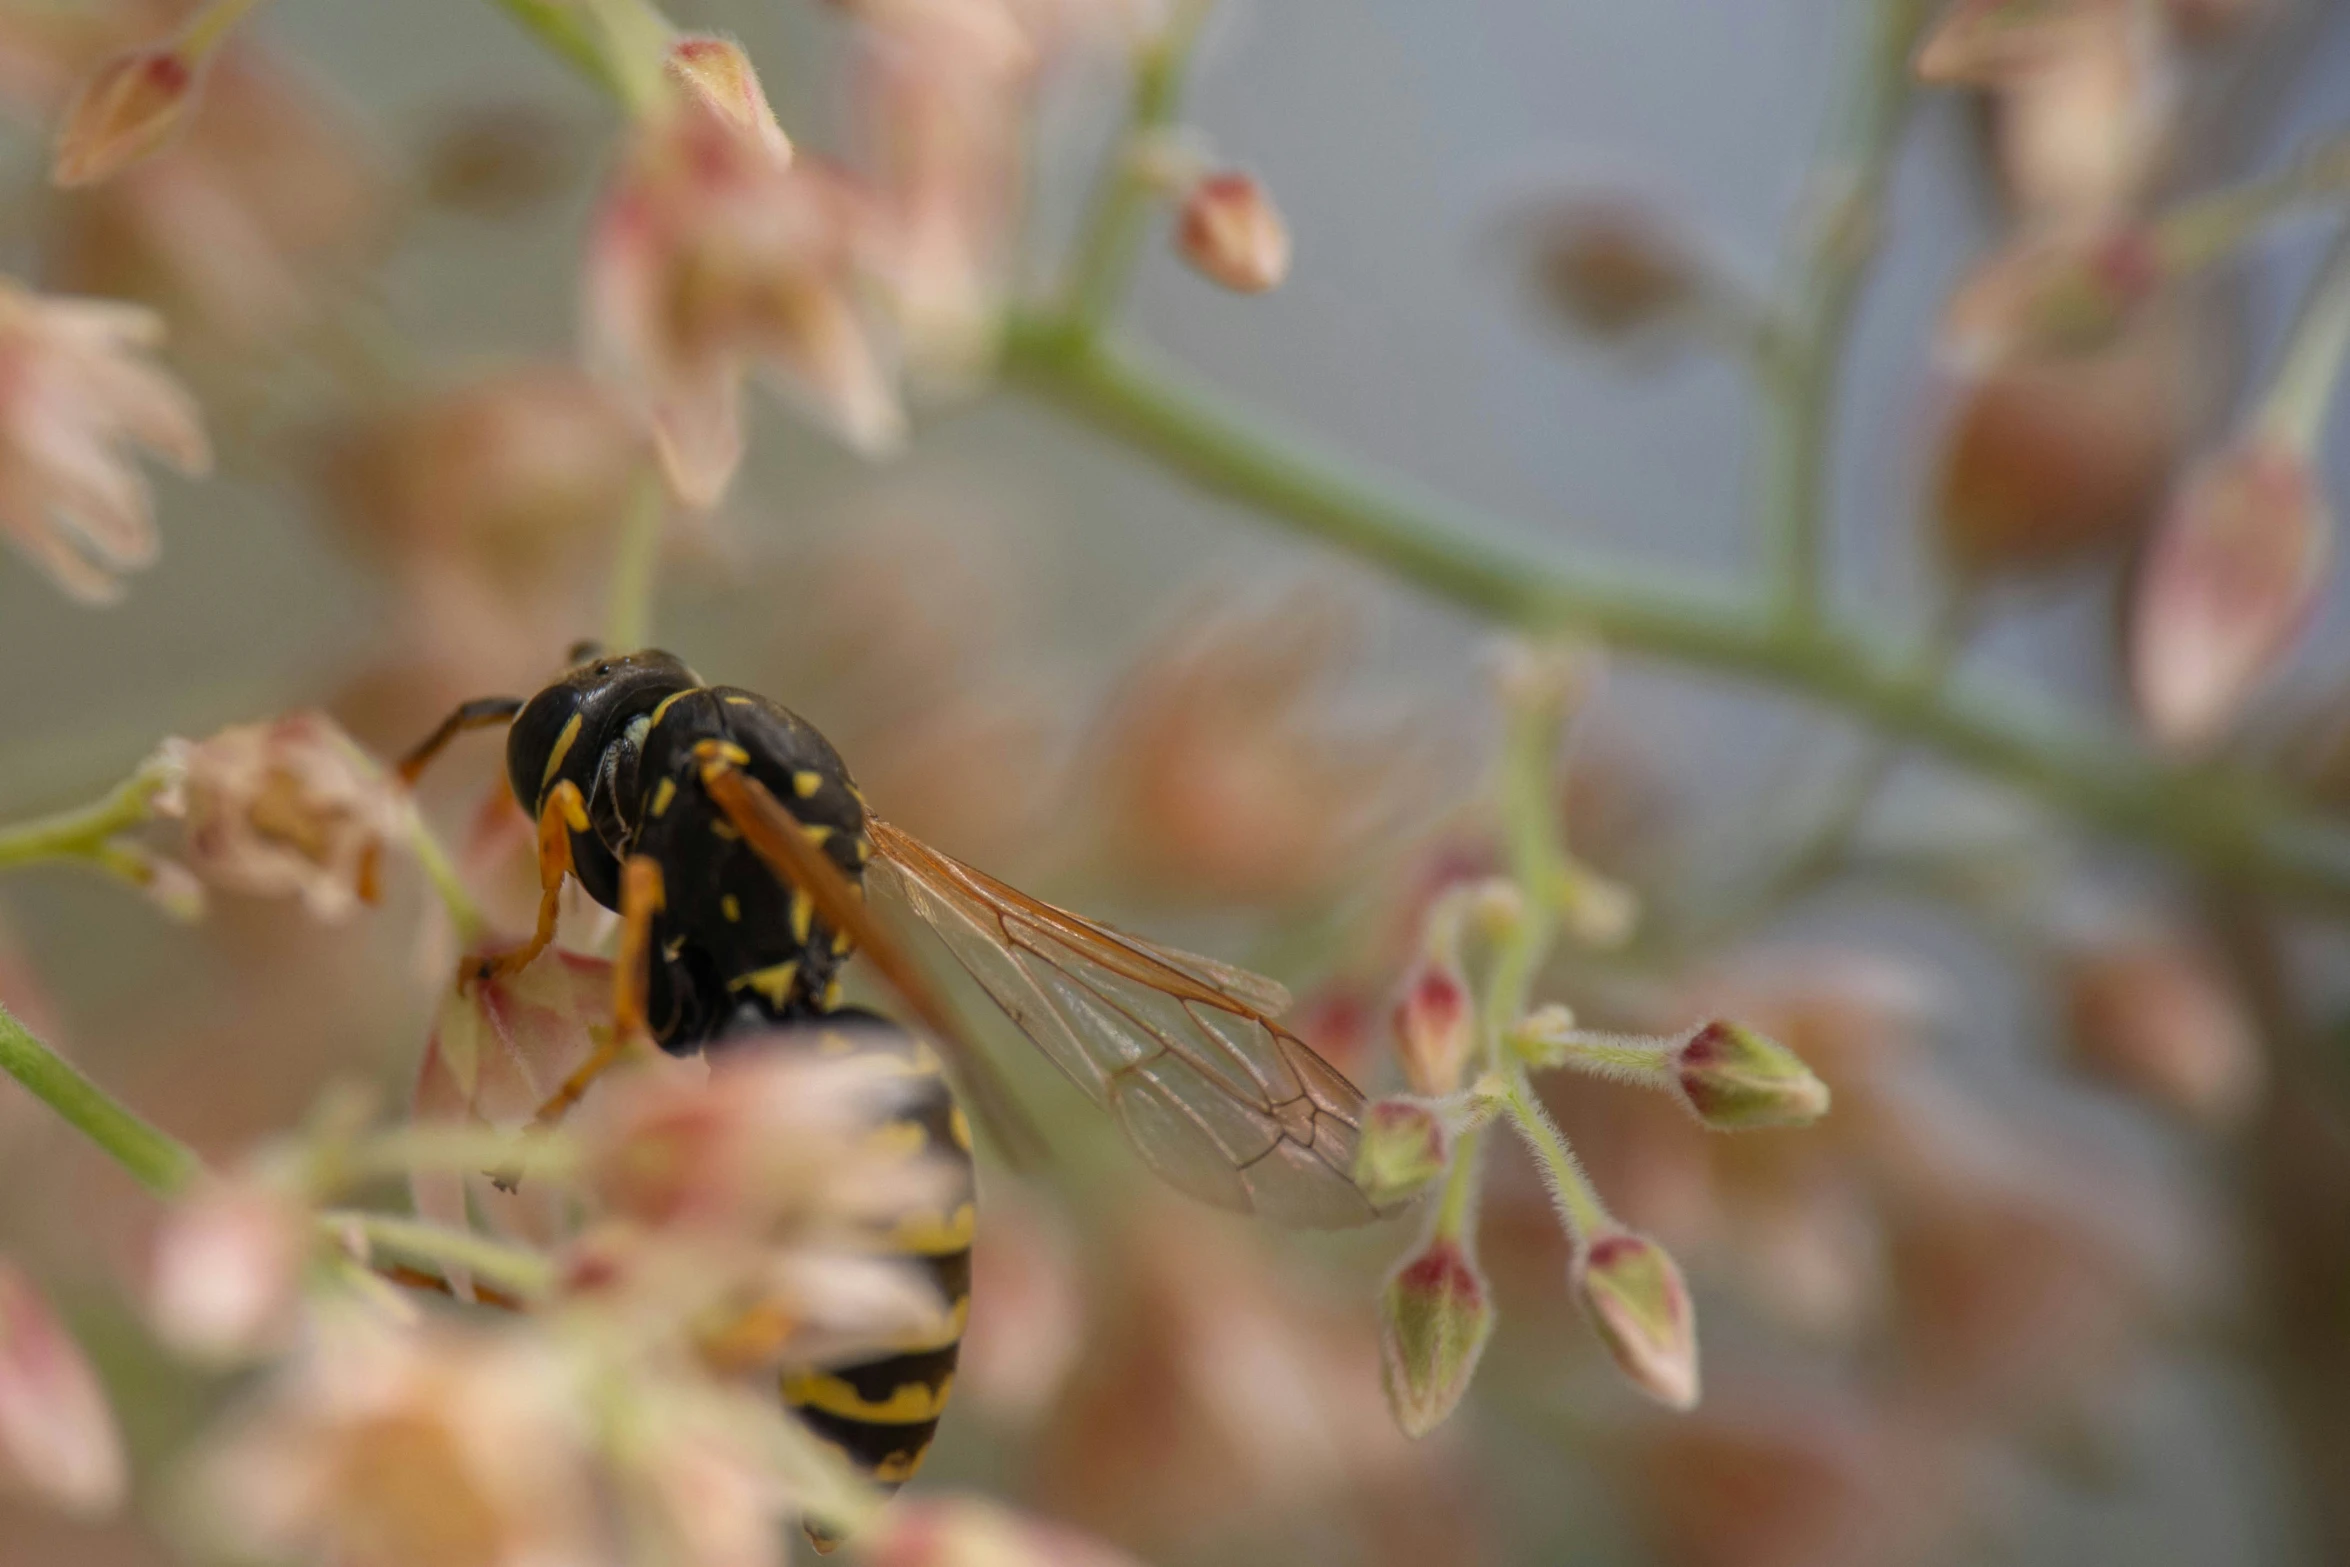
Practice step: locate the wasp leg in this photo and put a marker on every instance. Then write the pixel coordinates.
(778, 838)
(481, 713)
(564, 813)
(641, 897)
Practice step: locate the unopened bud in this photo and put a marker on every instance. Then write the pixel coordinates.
(58, 1438)
(1405, 1146)
(1733, 1079)
(1434, 1320)
(1599, 913)
(127, 110)
(1632, 1291)
(1435, 1025)
(2066, 293)
(1231, 232)
(2227, 584)
(228, 1271)
(717, 72)
(1543, 1037)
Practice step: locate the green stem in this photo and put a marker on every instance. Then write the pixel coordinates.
(1456, 1214)
(1578, 1202)
(2294, 411)
(2220, 822)
(1111, 233)
(84, 832)
(511, 1268)
(636, 567)
(1800, 380)
(162, 1164)
(566, 29)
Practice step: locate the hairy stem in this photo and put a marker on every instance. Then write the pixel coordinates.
(84, 832)
(162, 1164)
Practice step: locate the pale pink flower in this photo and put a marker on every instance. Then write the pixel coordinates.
(76, 394)
(2084, 131)
(286, 808)
(381, 1448)
(714, 255)
(227, 1275)
(57, 1436)
(963, 1531)
(2152, 1015)
(2227, 583)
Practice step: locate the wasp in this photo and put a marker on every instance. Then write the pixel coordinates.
(728, 835)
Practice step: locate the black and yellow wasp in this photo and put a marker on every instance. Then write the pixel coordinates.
(727, 834)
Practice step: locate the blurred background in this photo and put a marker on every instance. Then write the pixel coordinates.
(2063, 1279)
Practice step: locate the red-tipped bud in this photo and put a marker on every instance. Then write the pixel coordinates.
(1734, 1080)
(1632, 1291)
(2151, 1017)
(1434, 1320)
(1435, 1025)
(1230, 231)
(2226, 586)
(1406, 1145)
(134, 104)
(2064, 293)
(717, 72)
(57, 1437)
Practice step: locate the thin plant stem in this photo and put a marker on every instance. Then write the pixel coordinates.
(161, 1163)
(1578, 1202)
(2294, 411)
(2214, 819)
(513, 1269)
(84, 832)
(1799, 381)
(1111, 231)
(636, 566)
(567, 30)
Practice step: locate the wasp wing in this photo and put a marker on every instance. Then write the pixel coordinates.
(1220, 1099)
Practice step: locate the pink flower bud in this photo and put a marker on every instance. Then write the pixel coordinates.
(2227, 583)
(1405, 1146)
(228, 1271)
(127, 110)
(1632, 1291)
(716, 71)
(2063, 293)
(57, 1437)
(1733, 1079)
(1230, 231)
(1435, 1026)
(1434, 1320)
(2150, 1016)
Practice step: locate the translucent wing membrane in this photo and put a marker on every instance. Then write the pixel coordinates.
(1222, 1101)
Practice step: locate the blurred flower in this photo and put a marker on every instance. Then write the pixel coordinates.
(2150, 1015)
(1434, 1318)
(968, 1532)
(1632, 1291)
(290, 807)
(1614, 267)
(133, 105)
(502, 475)
(2050, 292)
(714, 253)
(237, 228)
(1434, 1018)
(1405, 1146)
(75, 395)
(2206, 21)
(2083, 130)
(1985, 43)
(57, 1437)
(2228, 581)
(1222, 772)
(1231, 233)
(496, 159)
(380, 1448)
(2047, 461)
(227, 1275)
(1028, 1310)
(1734, 1079)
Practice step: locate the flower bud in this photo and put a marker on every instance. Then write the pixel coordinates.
(1733, 1079)
(1632, 1291)
(228, 1271)
(1612, 268)
(2227, 583)
(127, 110)
(1405, 1146)
(57, 1437)
(1230, 232)
(1435, 1024)
(717, 72)
(1434, 1320)
(2064, 293)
